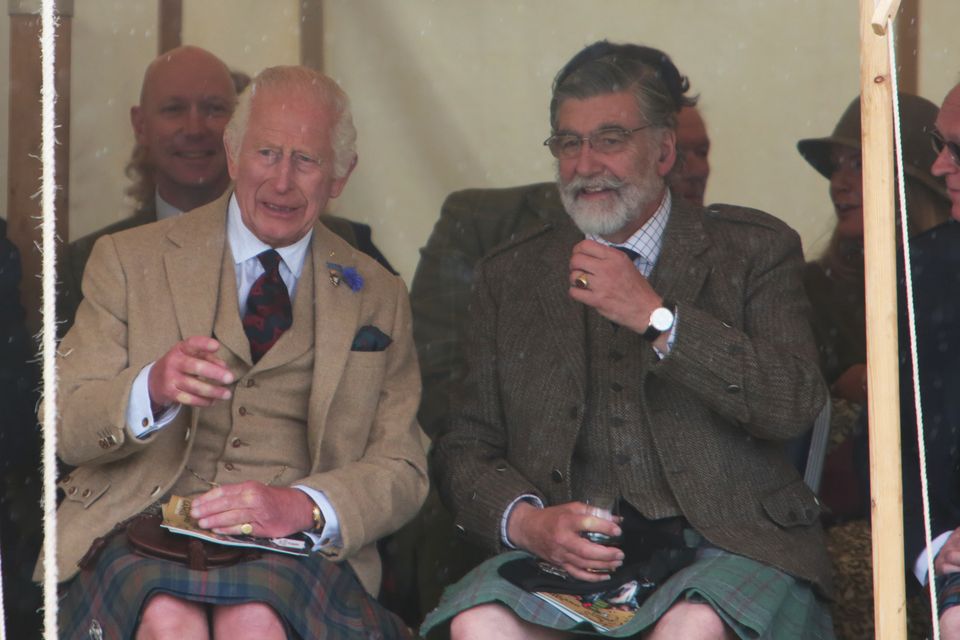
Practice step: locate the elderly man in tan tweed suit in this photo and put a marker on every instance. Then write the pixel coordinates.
(657, 365)
(244, 355)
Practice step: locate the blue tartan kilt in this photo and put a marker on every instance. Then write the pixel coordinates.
(315, 598)
(754, 599)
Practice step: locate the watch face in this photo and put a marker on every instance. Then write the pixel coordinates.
(661, 319)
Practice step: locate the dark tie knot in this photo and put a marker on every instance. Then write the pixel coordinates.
(630, 253)
(270, 259)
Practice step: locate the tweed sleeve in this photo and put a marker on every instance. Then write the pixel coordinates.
(95, 370)
(760, 371)
(474, 478)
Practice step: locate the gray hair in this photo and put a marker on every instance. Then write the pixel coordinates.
(322, 88)
(605, 67)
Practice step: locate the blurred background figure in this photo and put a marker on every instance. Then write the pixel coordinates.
(20, 478)
(835, 285)
(689, 179)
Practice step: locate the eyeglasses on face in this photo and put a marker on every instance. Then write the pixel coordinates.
(939, 142)
(607, 141)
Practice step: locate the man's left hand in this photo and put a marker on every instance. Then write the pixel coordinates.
(273, 512)
(615, 287)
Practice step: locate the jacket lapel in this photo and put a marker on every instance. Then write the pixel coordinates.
(680, 272)
(565, 318)
(194, 266)
(336, 320)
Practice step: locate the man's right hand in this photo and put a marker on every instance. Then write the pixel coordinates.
(553, 534)
(190, 373)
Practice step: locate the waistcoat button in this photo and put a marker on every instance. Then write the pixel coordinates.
(556, 476)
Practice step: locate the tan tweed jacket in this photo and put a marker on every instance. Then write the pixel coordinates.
(149, 287)
(741, 378)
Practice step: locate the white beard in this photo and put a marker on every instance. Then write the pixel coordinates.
(630, 200)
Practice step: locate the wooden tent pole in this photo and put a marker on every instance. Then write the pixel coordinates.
(169, 25)
(881, 296)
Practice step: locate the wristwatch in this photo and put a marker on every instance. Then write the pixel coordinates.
(661, 320)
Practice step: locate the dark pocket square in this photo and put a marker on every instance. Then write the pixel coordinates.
(369, 338)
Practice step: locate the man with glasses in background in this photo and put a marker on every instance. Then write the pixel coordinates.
(935, 260)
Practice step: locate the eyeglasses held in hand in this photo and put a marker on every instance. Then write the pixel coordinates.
(607, 141)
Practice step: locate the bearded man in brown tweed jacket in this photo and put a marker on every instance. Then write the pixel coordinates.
(658, 364)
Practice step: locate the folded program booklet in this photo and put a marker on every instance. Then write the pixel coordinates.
(177, 519)
(605, 610)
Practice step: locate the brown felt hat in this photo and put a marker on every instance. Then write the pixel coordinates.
(917, 116)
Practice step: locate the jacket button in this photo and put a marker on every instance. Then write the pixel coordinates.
(461, 530)
(242, 411)
(733, 388)
(156, 490)
(236, 442)
(65, 479)
(85, 493)
(71, 491)
(556, 476)
(501, 467)
(228, 466)
(616, 386)
(251, 383)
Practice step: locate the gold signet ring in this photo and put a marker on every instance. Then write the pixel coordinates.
(581, 282)
(246, 528)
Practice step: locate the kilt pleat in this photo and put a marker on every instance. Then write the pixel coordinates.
(755, 600)
(316, 598)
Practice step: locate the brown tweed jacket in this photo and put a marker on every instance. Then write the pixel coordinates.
(149, 287)
(741, 378)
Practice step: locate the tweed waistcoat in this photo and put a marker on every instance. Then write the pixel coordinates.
(615, 443)
(260, 433)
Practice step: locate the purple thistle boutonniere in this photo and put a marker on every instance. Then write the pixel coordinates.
(348, 274)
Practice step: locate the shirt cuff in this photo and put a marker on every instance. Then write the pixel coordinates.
(140, 420)
(527, 497)
(920, 566)
(330, 535)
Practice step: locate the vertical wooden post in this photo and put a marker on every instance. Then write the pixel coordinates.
(170, 24)
(908, 46)
(23, 149)
(311, 34)
(881, 296)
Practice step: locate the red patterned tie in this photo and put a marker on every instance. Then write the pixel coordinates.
(269, 312)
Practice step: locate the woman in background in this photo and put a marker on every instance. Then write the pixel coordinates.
(835, 286)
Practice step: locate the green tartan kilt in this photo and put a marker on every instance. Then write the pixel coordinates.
(754, 599)
(315, 598)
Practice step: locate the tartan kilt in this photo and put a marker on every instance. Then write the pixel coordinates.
(315, 598)
(754, 599)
